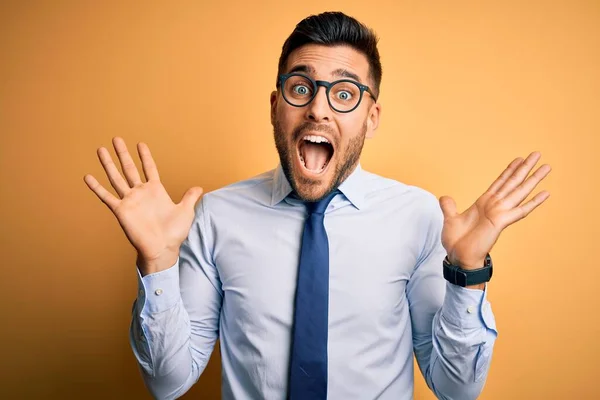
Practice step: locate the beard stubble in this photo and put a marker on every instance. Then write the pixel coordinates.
(302, 186)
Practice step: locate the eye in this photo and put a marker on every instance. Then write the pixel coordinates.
(344, 95)
(302, 90)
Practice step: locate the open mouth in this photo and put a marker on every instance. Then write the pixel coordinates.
(315, 152)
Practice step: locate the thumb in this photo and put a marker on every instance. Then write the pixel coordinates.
(448, 206)
(191, 196)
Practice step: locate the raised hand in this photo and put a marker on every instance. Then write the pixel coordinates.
(154, 225)
(470, 236)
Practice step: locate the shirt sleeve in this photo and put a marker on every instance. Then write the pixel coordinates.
(453, 327)
(175, 317)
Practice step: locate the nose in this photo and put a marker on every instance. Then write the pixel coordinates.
(318, 109)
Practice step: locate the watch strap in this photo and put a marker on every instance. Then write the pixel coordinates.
(462, 277)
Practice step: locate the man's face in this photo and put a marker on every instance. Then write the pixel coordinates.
(315, 169)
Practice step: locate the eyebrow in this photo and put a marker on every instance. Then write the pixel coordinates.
(340, 72)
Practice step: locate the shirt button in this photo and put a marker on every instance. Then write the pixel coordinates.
(470, 309)
(141, 292)
(158, 292)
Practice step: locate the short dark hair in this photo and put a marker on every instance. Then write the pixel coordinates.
(335, 28)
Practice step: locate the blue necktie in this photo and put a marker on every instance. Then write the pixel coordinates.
(308, 363)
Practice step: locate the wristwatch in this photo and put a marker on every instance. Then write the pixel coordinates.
(462, 277)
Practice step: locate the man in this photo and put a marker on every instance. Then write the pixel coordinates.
(319, 278)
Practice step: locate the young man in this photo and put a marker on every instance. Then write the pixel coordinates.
(319, 278)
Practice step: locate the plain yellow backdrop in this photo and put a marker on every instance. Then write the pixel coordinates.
(466, 88)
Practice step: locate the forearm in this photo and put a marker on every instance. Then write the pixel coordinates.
(160, 336)
(464, 333)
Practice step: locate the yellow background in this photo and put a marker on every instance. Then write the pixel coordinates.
(466, 88)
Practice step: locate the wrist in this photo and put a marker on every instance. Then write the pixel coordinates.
(160, 263)
(481, 286)
(467, 266)
(467, 275)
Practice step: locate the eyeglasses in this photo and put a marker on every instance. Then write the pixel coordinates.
(343, 95)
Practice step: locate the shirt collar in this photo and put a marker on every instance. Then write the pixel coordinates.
(281, 186)
(353, 187)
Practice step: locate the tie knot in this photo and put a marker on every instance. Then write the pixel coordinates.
(319, 207)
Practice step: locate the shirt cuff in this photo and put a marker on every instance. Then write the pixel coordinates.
(467, 308)
(159, 291)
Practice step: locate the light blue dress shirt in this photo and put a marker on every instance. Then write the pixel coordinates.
(235, 280)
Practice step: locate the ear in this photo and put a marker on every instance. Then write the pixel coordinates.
(373, 120)
(273, 106)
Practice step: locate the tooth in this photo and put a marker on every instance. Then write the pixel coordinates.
(316, 139)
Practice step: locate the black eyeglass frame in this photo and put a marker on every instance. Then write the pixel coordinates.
(327, 85)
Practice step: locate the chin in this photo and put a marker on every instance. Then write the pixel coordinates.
(311, 186)
(313, 159)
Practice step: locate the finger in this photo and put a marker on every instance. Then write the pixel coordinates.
(519, 194)
(505, 175)
(448, 206)
(148, 164)
(113, 174)
(524, 210)
(103, 194)
(127, 165)
(191, 196)
(519, 175)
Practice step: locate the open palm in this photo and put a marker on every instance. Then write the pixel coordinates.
(468, 237)
(154, 225)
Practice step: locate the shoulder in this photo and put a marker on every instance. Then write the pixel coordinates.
(254, 190)
(379, 189)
